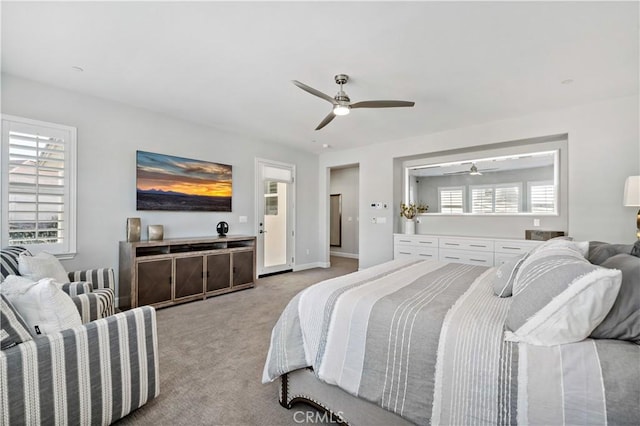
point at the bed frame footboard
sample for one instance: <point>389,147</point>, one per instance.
<point>343,408</point>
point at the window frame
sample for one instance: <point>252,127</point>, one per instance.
<point>494,187</point>
<point>550,183</point>
<point>462,188</point>
<point>66,249</point>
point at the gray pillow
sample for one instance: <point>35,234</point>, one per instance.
<point>623,320</point>
<point>559,297</point>
<point>506,275</point>
<point>599,252</point>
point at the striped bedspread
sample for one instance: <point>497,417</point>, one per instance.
<point>424,339</point>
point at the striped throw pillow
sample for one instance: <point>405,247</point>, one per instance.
<point>13,329</point>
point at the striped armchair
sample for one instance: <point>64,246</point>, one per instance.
<point>92,374</point>
<point>92,291</point>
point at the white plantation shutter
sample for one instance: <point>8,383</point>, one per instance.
<point>481,199</point>
<point>541,197</point>
<point>503,198</point>
<point>38,185</point>
<point>451,199</point>
<point>507,198</point>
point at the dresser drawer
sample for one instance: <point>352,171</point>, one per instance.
<point>466,244</point>
<point>416,240</point>
<point>515,247</point>
<point>466,256</point>
<point>422,252</point>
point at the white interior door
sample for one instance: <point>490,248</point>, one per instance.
<point>275,216</point>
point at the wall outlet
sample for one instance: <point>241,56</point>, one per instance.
<point>382,220</point>
<point>374,220</point>
<point>242,219</point>
<point>536,222</point>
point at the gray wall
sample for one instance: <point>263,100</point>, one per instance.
<point>109,133</point>
<point>345,181</point>
<point>603,149</point>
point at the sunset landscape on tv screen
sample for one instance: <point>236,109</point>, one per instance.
<point>165,182</point>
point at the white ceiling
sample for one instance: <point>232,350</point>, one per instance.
<point>230,65</point>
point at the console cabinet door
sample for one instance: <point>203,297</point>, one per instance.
<point>154,281</point>
<point>218,271</point>
<point>189,276</point>
<point>242,267</point>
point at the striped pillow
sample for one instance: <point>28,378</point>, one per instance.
<point>559,297</point>
<point>13,329</point>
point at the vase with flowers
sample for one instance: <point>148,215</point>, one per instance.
<point>408,212</point>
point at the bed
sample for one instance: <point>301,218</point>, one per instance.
<point>420,341</point>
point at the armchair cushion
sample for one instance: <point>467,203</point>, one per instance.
<point>13,328</point>
<point>80,287</point>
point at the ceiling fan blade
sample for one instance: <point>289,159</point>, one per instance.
<point>382,104</point>
<point>326,120</point>
<point>314,92</point>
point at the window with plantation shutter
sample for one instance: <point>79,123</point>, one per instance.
<point>38,185</point>
<point>542,197</point>
<point>451,199</point>
<point>502,198</point>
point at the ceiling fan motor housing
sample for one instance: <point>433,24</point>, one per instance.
<point>341,78</point>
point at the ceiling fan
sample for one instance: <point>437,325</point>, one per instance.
<point>342,103</point>
<point>473,171</point>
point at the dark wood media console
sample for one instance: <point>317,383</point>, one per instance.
<point>168,272</point>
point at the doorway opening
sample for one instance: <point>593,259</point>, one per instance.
<point>275,204</point>
<point>344,220</point>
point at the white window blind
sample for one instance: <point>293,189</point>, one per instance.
<point>451,199</point>
<point>503,198</point>
<point>481,200</point>
<point>507,199</point>
<point>542,197</point>
<point>38,185</point>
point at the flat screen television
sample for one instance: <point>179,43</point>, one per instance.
<point>165,182</point>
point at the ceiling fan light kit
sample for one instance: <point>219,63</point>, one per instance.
<point>342,103</point>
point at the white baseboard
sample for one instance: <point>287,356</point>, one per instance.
<point>311,265</point>
<point>343,254</point>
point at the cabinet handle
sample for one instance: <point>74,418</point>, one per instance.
<point>451,244</point>
<point>426,255</point>
<point>478,260</point>
<point>403,252</point>
<point>404,241</point>
<point>425,242</point>
<point>477,245</point>
<point>451,257</point>
<point>511,248</point>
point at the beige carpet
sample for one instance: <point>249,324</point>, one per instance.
<point>212,353</point>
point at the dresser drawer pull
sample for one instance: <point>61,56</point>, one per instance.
<point>511,248</point>
<point>451,257</point>
<point>426,255</point>
<point>477,245</point>
<point>404,241</point>
<point>478,260</point>
<point>451,244</point>
<point>425,242</point>
<point>403,252</point>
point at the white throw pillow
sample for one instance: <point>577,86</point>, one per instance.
<point>42,265</point>
<point>43,305</point>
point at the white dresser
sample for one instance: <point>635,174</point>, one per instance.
<point>472,250</point>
